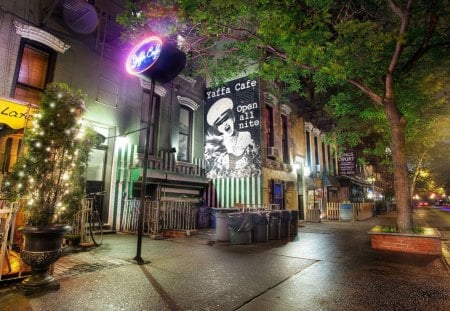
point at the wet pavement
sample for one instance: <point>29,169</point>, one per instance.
<point>326,266</point>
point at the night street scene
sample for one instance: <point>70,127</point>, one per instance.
<point>213,155</point>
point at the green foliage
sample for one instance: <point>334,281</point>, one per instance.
<point>393,229</point>
<point>337,52</point>
<point>50,175</point>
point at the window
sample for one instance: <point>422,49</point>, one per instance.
<point>308,149</point>
<point>284,138</point>
<point>34,70</point>
<point>184,134</point>
<point>268,115</point>
<point>330,160</point>
<point>316,151</point>
<point>324,159</point>
<point>153,122</point>
<point>278,194</point>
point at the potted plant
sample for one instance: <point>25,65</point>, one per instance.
<point>50,176</point>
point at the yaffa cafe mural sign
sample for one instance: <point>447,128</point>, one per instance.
<point>232,130</point>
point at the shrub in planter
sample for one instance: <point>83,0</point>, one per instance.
<point>50,175</point>
<point>423,240</point>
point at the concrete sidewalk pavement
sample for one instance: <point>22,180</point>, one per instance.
<point>327,266</point>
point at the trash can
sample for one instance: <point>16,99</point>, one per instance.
<point>221,222</point>
<point>285,223</point>
<point>274,225</point>
<point>213,217</point>
<point>260,224</point>
<point>240,228</point>
<point>293,230</point>
<point>204,217</point>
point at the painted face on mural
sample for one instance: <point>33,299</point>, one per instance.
<point>225,125</point>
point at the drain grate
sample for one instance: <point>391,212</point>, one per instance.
<point>83,268</point>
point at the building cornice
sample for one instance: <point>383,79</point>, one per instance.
<point>160,90</point>
<point>188,103</point>
<point>39,35</point>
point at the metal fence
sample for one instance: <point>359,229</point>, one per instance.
<point>360,211</point>
<point>158,216</point>
<point>256,207</point>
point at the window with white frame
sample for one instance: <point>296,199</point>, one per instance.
<point>184,134</point>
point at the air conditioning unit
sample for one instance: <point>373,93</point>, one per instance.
<point>272,152</point>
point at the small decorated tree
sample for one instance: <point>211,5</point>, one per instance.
<point>51,173</point>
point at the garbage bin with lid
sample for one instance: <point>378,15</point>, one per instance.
<point>213,218</point>
<point>260,230</point>
<point>204,217</point>
<point>294,223</point>
<point>221,222</point>
<point>274,224</point>
<point>285,223</point>
<point>240,228</point>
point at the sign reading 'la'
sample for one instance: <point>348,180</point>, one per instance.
<point>144,55</point>
<point>16,114</point>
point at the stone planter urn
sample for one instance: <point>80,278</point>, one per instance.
<point>42,247</point>
<point>427,242</point>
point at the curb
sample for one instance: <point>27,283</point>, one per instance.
<point>446,255</point>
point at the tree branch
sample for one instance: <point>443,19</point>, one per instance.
<point>405,16</point>
<point>424,47</point>
<point>368,91</point>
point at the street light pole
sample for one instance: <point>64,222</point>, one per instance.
<point>138,257</point>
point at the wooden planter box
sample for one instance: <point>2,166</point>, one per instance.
<point>428,243</point>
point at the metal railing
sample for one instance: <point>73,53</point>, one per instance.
<point>256,207</point>
<point>166,162</point>
<point>360,211</point>
<point>158,216</point>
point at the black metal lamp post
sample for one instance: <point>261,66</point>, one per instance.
<point>153,60</point>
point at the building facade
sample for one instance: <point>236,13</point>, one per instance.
<point>42,42</point>
<point>239,144</point>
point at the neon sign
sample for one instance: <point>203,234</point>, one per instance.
<point>144,55</point>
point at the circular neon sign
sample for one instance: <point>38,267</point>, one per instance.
<point>144,55</point>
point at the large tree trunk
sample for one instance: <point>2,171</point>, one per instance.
<point>398,147</point>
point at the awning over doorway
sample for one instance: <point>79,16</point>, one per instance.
<point>16,114</point>
<point>345,178</point>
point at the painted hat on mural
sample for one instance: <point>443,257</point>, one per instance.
<point>219,110</point>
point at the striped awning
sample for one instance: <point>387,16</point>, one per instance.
<point>16,114</point>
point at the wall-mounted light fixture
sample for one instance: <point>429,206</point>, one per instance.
<point>298,162</point>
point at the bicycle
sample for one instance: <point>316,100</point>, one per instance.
<point>92,216</point>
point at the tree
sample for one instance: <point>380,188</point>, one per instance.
<point>51,172</point>
<point>379,49</point>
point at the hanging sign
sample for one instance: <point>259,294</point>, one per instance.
<point>347,164</point>
<point>144,55</point>
<point>153,59</point>
<point>16,114</point>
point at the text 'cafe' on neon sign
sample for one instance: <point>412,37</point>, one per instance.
<point>144,55</point>
<point>156,59</point>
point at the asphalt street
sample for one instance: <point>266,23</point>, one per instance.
<point>326,266</point>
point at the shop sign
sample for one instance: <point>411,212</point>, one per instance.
<point>16,114</point>
<point>347,164</point>
<point>144,55</point>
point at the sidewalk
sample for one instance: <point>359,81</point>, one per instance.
<point>327,266</point>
